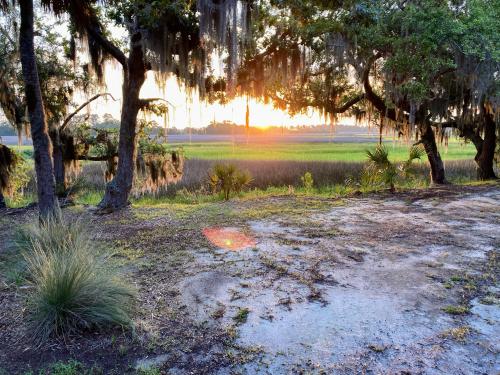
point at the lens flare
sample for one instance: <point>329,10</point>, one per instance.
<point>228,238</point>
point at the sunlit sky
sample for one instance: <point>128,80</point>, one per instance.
<point>186,112</point>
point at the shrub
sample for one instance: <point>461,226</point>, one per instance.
<point>307,181</point>
<point>380,170</point>
<point>71,367</point>
<point>228,178</point>
<point>14,174</point>
<point>72,288</point>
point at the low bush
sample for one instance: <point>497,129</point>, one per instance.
<point>72,288</point>
<point>14,175</point>
<point>379,170</point>
<point>227,179</point>
<point>307,181</point>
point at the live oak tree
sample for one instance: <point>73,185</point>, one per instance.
<point>408,64</point>
<point>59,80</point>
<point>438,62</point>
<point>168,37</point>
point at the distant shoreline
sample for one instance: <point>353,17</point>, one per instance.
<point>338,137</point>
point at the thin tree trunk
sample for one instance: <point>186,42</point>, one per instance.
<point>381,128</point>
<point>486,154</point>
<point>2,201</point>
<point>58,160</point>
<point>134,75</point>
<point>428,139</point>
<point>47,201</point>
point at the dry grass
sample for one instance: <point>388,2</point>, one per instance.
<point>270,173</point>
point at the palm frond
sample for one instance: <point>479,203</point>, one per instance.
<point>407,167</point>
<point>379,157</point>
<point>416,152</point>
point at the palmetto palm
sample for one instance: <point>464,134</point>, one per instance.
<point>380,169</point>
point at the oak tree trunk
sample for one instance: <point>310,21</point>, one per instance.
<point>134,75</point>
<point>58,160</point>
<point>47,201</point>
<point>486,154</point>
<point>59,169</point>
<point>380,130</point>
<point>428,139</point>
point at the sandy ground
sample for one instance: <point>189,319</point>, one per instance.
<point>405,284</point>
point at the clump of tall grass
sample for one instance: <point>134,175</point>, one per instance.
<point>72,288</point>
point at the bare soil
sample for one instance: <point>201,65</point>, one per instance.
<point>404,283</point>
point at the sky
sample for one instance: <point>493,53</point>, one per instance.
<point>184,112</point>
<point>193,113</point>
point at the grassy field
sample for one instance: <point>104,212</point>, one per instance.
<point>353,152</point>
<point>319,151</point>
<point>273,166</point>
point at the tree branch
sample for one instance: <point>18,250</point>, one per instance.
<point>96,158</point>
<point>108,46</point>
<point>146,102</point>
<point>7,35</point>
<point>84,16</point>
<point>348,104</point>
<point>73,114</point>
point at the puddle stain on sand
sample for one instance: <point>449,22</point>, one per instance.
<point>228,238</point>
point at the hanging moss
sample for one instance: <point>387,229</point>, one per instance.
<point>70,157</point>
<point>111,165</point>
<point>8,161</point>
<point>156,171</point>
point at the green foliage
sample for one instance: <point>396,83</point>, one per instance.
<point>380,170</point>
<point>456,310</point>
<point>72,288</point>
<point>8,161</point>
<point>227,179</point>
<point>307,181</point>
<point>408,166</point>
<point>70,367</point>
<point>15,174</point>
<point>19,179</point>
<point>153,144</point>
<point>241,316</point>
<point>93,141</point>
<point>149,371</point>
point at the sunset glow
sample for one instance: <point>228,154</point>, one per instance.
<point>190,112</point>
